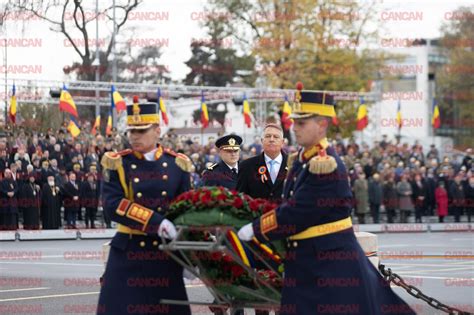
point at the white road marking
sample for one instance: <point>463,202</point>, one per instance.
<point>438,270</point>
<point>70,294</point>
<point>433,277</point>
<point>431,265</point>
<point>47,296</point>
<point>45,263</point>
<point>25,289</point>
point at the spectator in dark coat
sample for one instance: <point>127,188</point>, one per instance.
<point>8,202</point>
<point>430,192</point>
<point>90,199</point>
<point>50,205</point>
<point>29,201</point>
<point>390,198</point>
<point>419,195</point>
<point>457,196</point>
<point>375,196</point>
<point>72,204</point>
<point>4,163</point>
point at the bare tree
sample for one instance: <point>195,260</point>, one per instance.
<point>50,10</point>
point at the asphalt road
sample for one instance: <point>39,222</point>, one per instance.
<point>61,277</point>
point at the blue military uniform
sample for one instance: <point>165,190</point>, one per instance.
<point>136,193</point>
<point>220,174</point>
<point>326,270</point>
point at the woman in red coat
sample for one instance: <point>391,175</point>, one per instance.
<point>441,196</point>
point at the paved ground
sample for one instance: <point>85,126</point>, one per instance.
<point>60,277</point>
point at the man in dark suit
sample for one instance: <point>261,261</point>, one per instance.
<point>225,172</point>
<point>72,204</point>
<point>262,176</point>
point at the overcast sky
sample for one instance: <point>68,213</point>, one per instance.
<point>179,28</point>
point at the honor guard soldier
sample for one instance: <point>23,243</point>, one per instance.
<point>225,172</point>
<point>315,219</point>
<point>138,184</point>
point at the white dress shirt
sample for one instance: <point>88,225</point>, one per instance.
<point>276,166</point>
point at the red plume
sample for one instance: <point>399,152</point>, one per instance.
<point>299,86</point>
<point>135,99</point>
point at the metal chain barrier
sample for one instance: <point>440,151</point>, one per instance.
<point>413,291</point>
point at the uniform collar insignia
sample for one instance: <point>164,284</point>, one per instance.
<point>138,155</point>
<point>322,145</point>
<point>159,152</point>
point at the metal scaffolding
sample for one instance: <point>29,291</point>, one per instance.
<point>179,95</point>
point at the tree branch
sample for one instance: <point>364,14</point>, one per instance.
<point>127,8</point>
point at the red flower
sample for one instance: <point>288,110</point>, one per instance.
<point>254,205</point>
<point>195,197</point>
<point>238,202</point>
<point>227,258</point>
<point>268,207</point>
<point>206,197</point>
<point>221,197</point>
<point>237,271</point>
<point>216,256</point>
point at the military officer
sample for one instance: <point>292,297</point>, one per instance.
<point>225,172</point>
<point>138,184</point>
<point>326,270</point>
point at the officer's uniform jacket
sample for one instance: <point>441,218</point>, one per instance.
<point>219,174</point>
<point>326,270</point>
<point>136,194</point>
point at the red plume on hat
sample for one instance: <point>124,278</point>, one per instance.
<point>299,85</point>
<point>299,88</point>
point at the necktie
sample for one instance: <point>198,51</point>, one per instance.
<point>273,175</point>
<point>234,171</point>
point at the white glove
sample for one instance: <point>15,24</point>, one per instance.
<point>246,232</point>
<point>167,230</point>
<point>188,274</point>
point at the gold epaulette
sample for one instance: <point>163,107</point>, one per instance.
<point>113,160</point>
<point>322,163</point>
<point>181,160</point>
<point>291,159</point>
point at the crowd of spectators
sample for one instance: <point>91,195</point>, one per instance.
<point>52,180</point>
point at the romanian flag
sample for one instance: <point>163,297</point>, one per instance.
<point>362,119</point>
<point>247,118</point>
<point>436,120</point>
<point>73,127</point>
<point>108,129</point>
<point>96,126</point>
<point>164,115</point>
<point>12,112</point>
<point>117,100</point>
<point>204,113</point>
<point>399,115</point>
<point>66,103</point>
<point>286,121</point>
